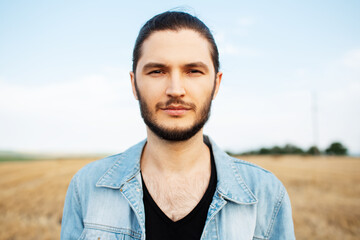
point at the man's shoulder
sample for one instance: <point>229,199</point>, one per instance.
<point>114,166</point>
<point>246,174</point>
<point>256,177</point>
<point>94,170</point>
<point>273,202</point>
<point>249,169</point>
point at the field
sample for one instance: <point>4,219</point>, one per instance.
<point>325,195</point>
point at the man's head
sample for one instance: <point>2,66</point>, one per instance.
<point>175,21</point>
<point>175,75</point>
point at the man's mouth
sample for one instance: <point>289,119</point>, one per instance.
<point>176,107</point>
<point>175,110</point>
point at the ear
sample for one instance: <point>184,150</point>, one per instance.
<point>132,77</point>
<point>217,83</point>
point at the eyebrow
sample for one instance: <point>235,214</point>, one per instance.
<point>197,65</point>
<point>151,65</point>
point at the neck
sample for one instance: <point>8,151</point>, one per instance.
<point>182,157</point>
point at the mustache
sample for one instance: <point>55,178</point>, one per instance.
<point>175,101</point>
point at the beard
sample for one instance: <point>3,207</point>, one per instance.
<point>175,134</point>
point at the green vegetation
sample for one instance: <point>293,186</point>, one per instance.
<point>12,156</point>
<point>6,156</point>
<point>335,148</point>
<point>313,150</point>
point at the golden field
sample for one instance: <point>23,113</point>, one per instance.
<point>325,195</point>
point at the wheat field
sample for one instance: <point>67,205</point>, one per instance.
<point>324,191</point>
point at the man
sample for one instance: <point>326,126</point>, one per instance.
<point>176,184</point>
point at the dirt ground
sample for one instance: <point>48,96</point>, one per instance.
<point>324,192</point>
<point>325,195</point>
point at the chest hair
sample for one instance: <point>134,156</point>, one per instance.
<point>177,196</point>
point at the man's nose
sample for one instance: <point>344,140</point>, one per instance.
<point>175,86</point>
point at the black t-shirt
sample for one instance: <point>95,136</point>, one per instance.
<point>158,226</point>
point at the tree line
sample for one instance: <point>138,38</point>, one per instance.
<point>335,148</point>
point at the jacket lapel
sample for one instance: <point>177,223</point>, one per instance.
<point>125,176</point>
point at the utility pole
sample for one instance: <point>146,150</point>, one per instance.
<point>314,116</point>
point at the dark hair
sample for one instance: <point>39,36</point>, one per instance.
<point>173,20</point>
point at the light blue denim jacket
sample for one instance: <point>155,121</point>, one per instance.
<point>105,201</point>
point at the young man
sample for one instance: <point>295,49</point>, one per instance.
<point>176,184</point>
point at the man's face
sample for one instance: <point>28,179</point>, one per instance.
<point>175,83</point>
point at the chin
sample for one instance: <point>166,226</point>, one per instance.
<point>175,134</point>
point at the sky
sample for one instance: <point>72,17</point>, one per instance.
<point>291,73</point>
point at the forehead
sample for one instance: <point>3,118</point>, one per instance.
<point>175,47</point>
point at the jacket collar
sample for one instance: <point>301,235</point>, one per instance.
<point>126,167</point>
<point>230,184</point>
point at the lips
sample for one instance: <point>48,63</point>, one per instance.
<point>176,107</point>
<point>175,110</point>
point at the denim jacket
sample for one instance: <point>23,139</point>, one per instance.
<point>104,201</point>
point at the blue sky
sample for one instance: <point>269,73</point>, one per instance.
<point>64,83</point>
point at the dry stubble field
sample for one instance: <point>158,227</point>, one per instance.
<point>325,195</point>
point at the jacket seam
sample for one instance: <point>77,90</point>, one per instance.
<point>110,169</point>
<point>242,183</point>
<point>275,213</point>
<point>76,188</point>
<point>260,238</point>
<point>77,195</point>
<point>240,161</point>
<point>126,231</point>
<point>82,236</point>
<point>216,228</point>
<point>142,223</point>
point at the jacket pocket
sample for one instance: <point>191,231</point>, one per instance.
<point>100,234</point>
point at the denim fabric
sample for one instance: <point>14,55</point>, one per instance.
<point>104,201</point>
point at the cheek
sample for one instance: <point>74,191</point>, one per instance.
<point>150,98</point>
<point>200,91</point>
<point>151,88</point>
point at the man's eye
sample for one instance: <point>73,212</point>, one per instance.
<point>155,72</point>
<point>195,71</point>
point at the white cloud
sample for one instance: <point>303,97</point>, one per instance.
<point>250,118</point>
<point>84,94</point>
<point>234,50</point>
<point>92,114</point>
<point>98,113</point>
<point>227,47</point>
<point>246,21</point>
<point>339,115</point>
<point>301,72</point>
<point>352,59</point>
